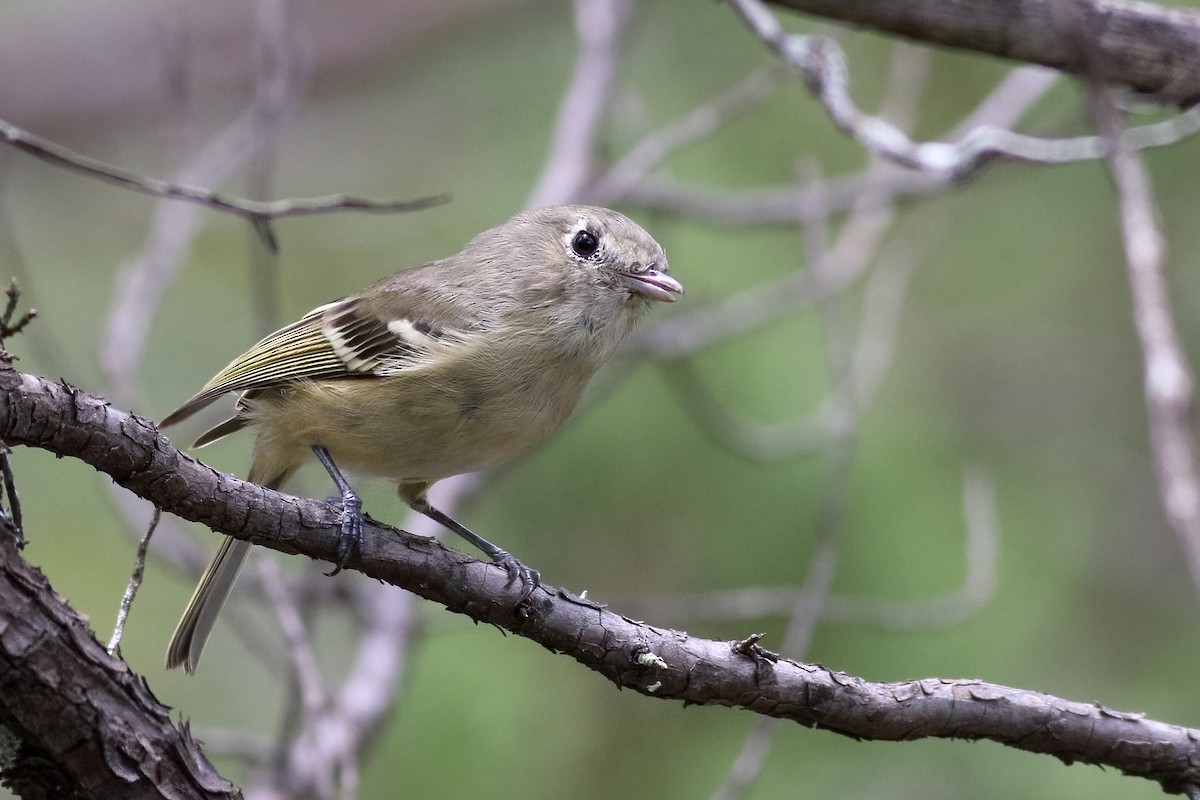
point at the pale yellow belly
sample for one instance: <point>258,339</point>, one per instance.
<point>413,430</point>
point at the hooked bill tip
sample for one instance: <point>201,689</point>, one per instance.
<point>655,285</point>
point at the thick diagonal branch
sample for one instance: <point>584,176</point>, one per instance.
<point>652,661</point>
<point>1147,47</point>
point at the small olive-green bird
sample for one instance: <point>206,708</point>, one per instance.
<point>446,368</point>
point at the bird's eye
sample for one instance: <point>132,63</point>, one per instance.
<point>585,244</point>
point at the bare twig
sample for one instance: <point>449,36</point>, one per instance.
<point>1003,107</point>
<point>13,512</point>
<point>176,547</point>
<point>8,326</point>
<point>60,156</point>
<point>822,63</point>
<point>135,583</point>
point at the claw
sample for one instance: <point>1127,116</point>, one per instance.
<point>530,579</point>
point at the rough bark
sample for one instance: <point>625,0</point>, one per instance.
<point>88,726</point>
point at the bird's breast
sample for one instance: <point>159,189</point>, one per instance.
<point>426,425</point>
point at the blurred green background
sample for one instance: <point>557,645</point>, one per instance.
<point>1015,355</point>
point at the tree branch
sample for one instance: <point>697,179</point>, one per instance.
<point>1147,47</point>
<point>824,66</point>
<point>258,212</point>
<point>75,707</point>
<point>653,661</point>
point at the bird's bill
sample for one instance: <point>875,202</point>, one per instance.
<point>654,285</point>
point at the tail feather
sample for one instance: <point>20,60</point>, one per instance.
<point>187,643</point>
<point>231,425</point>
<point>187,409</point>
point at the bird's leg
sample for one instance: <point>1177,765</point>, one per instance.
<point>350,538</point>
<point>529,578</point>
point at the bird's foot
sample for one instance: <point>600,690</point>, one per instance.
<point>350,538</point>
<point>529,578</point>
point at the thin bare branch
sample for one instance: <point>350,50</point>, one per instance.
<point>1003,107</point>
<point>10,327</point>
<point>12,515</point>
<point>135,582</point>
<point>822,63</point>
<point>60,156</point>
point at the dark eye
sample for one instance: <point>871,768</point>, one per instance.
<point>585,244</point>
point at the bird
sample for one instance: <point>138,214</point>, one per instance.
<point>446,368</point>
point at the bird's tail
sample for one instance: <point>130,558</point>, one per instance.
<point>191,634</point>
